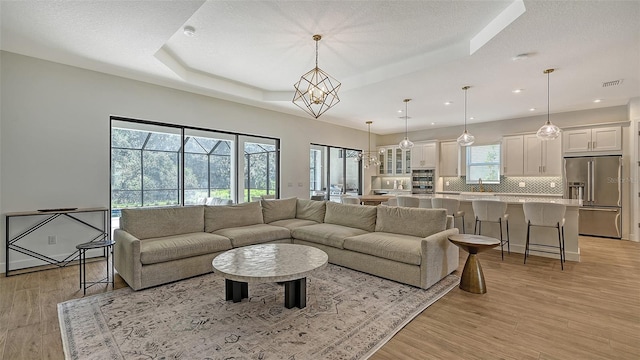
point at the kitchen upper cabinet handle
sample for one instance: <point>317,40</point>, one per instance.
<point>505,170</point>
<point>595,144</point>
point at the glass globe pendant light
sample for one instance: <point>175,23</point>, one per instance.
<point>369,158</point>
<point>465,139</point>
<point>406,144</point>
<point>548,131</point>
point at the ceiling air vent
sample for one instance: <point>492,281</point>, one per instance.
<point>612,83</point>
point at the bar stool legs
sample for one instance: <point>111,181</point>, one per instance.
<point>560,243</point>
<point>477,230</point>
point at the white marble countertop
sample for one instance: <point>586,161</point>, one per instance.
<point>269,262</point>
<point>509,199</point>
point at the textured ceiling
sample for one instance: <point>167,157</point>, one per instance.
<point>382,52</point>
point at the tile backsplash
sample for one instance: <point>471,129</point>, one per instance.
<point>532,185</point>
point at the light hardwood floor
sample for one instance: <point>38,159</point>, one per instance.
<point>591,310</point>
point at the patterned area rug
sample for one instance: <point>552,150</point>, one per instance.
<point>349,315</point>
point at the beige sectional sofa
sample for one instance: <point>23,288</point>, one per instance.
<point>409,245</point>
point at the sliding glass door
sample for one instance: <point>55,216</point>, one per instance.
<point>260,169</point>
<point>208,165</point>
<point>156,164</point>
<point>334,172</point>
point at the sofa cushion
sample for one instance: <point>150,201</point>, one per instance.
<point>148,223</point>
<point>293,223</point>
<point>396,247</point>
<point>326,234</point>
<point>279,209</point>
<point>310,210</point>
<point>355,216</point>
<point>254,234</point>
<point>162,249</point>
<point>411,221</point>
<point>220,217</point>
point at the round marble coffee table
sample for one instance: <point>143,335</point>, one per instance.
<point>472,278</point>
<point>286,263</point>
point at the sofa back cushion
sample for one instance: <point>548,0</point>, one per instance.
<point>280,209</point>
<point>310,210</point>
<point>411,221</point>
<point>222,217</point>
<point>355,216</point>
<point>148,223</point>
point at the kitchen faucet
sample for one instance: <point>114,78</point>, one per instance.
<point>480,187</point>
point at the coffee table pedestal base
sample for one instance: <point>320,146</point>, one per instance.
<point>295,292</point>
<point>235,290</point>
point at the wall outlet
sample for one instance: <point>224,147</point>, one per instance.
<point>552,184</point>
<point>522,184</point>
<point>52,240</point>
<point>387,182</point>
<point>446,183</point>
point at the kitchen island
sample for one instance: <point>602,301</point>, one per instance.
<point>517,225</point>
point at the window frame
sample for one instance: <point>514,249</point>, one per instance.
<point>469,164</point>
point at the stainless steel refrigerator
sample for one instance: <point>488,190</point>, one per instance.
<point>597,181</point>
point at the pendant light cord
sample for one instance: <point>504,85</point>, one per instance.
<point>548,97</point>
<point>406,119</point>
<point>317,54</point>
<point>465,110</point>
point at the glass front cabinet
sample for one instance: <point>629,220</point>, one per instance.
<point>394,161</point>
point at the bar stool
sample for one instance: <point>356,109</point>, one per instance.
<point>408,201</point>
<point>452,206</point>
<point>351,200</point>
<point>425,203</point>
<point>494,212</point>
<point>545,215</point>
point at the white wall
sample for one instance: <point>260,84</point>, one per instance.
<point>54,147</point>
<point>634,135</point>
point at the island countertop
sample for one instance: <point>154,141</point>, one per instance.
<point>509,199</point>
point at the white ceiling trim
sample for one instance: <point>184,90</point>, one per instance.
<point>504,19</point>
<point>386,72</point>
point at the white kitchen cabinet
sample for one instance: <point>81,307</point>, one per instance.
<point>542,157</point>
<point>424,156</point>
<point>513,155</point>
<point>394,161</point>
<point>449,159</point>
<point>594,139</point>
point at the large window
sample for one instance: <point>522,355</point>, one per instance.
<point>260,170</point>
<point>151,167</point>
<point>145,165</point>
<point>483,164</point>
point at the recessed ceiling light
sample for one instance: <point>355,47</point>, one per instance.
<point>472,118</point>
<point>448,102</point>
<point>399,111</point>
<point>597,100</point>
<point>532,109</point>
<point>517,91</point>
<point>189,31</point>
<point>433,123</point>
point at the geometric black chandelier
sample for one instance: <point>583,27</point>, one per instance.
<point>317,91</point>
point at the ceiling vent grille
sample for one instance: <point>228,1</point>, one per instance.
<point>612,83</point>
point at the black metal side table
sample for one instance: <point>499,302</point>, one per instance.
<point>107,246</point>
